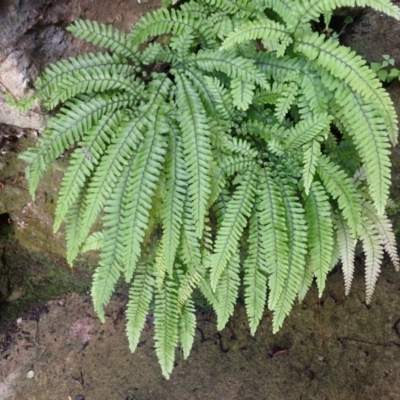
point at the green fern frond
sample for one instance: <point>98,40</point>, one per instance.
<point>166,325</point>
<point>285,100</point>
<point>347,245</point>
<point>104,36</point>
<point>231,65</point>
<point>370,137</point>
<point>310,162</point>
<point>306,131</point>
<point>190,246</point>
<point>227,290</point>
<point>196,147</point>
<point>292,273</point>
<point>81,167</point>
<point>140,296</point>
<point>235,219</point>
<point>163,21</point>
<point>275,234</point>
<point>242,93</point>
<point>147,166</point>
<point>187,327</point>
<point>241,8</point>
<point>255,273</point>
<point>52,76</point>
<point>222,99</point>
<point>91,80</point>
<point>172,208</point>
<point>228,167</point>
<point>93,242</point>
<point>320,233</point>
<point>373,249</point>
<point>189,282</point>
<point>340,187</point>
<point>385,230</point>
<point>264,29</point>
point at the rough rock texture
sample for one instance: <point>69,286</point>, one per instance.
<point>32,34</point>
<point>374,34</point>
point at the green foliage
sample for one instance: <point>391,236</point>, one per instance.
<point>251,147</point>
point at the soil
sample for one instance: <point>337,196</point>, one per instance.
<point>329,348</point>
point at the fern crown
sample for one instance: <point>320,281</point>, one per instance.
<point>245,144</point>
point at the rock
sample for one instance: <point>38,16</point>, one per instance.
<point>374,34</point>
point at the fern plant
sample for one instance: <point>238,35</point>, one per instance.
<point>245,143</point>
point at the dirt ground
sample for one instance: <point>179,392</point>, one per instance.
<point>334,348</point>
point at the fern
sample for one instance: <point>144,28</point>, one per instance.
<point>211,129</point>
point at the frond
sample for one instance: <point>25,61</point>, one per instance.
<point>341,188</point>
<point>385,231</point>
<point>347,245</point>
<point>104,36</point>
<point>189,282</point>
<point>231,65</point>
<point>314,92</point>
<point>196,147</point>
<point>172,207</point>
<point>222,99</point>
<point>206,96</point>
<point>255,273</point>
<point>307,130</point>
<point>53,75</point>
<point>282,7</point>
<point>305,281</point>
<point>147,166</point>
<point>373,249</point>
<point>92,80</point>
<point>73,226</point>
<point>163,21</point>
<point>320,233</point>
<point>80,168</point>
<point>234,221</point>
<point>275,237</point>
<point>226,291</point>
<point>166,325</point>
<point>140,296</point>
<point>285,100</point>
<point>71,123</point>
<point>93,242</point>
<point>122,147</point>
<point>367,129</point>
<point>310,162</point>
<point>190,245</point>
<point>242,93</point>
<point>343,63</point>
<point>228,167</point>
<point>187,327</point>
<point>292,273</point>
<point>112,252</point>
<point>241,8</point>
<point>264,29</point>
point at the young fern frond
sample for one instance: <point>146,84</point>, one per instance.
<point>228,131</point>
